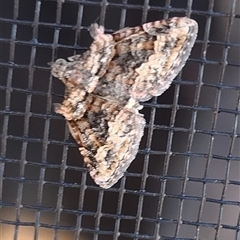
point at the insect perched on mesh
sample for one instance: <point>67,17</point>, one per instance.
<point>105,85</point>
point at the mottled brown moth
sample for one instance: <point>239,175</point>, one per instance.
<point>105,85</point>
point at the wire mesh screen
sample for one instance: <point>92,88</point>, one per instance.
<point>184,182</point>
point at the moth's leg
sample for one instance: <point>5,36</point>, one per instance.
<point>174,40</point>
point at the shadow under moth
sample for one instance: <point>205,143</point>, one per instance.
<point>103,88</point>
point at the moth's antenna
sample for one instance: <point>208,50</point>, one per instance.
<point>96,19</point>
<point>94,23</point>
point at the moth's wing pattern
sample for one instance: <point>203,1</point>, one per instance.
<point>147,58</point>
<point>174,40</point>
<point>133,47</point>
<point>108,134</point>
<point>112,158</point>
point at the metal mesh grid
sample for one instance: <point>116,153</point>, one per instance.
<point>184,183</point>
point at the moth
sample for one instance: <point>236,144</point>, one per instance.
<point>104,86</point>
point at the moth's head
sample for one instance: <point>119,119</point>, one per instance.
<point>66,72</point>
<point>58,68</point>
